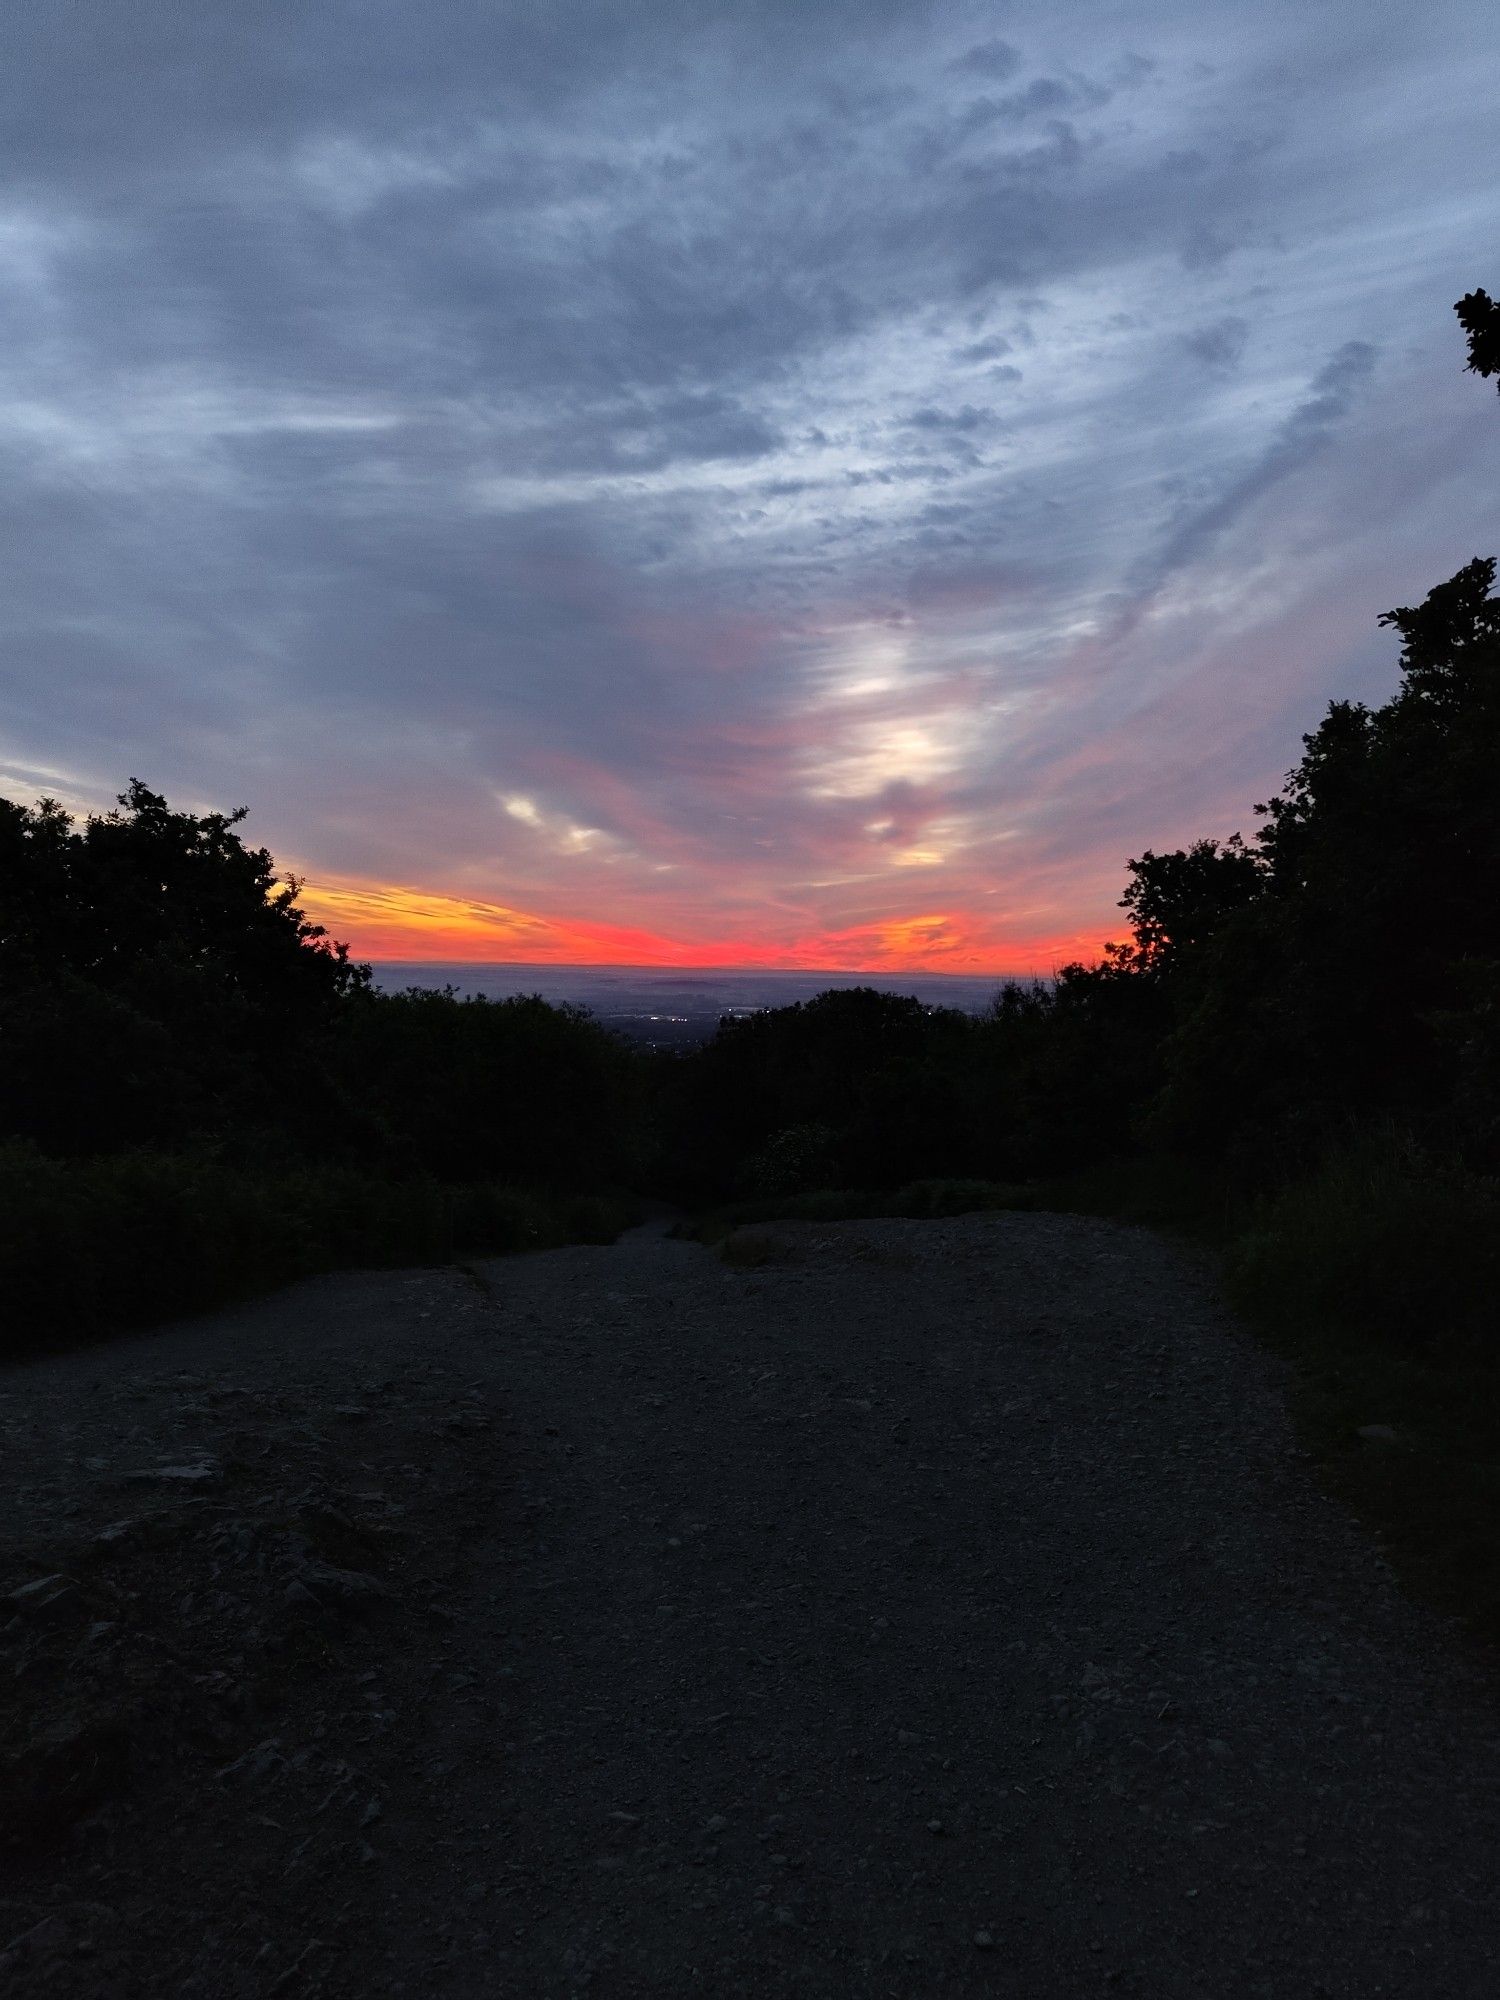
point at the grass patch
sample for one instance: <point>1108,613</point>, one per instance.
<point>1431,1496</point>
<point>92,1247</point>
<point>918,1200</point>
<point>1376,1277</point>
<point>1155,1191</point>
<point>748,1250</point>
<point>1381,1242</point>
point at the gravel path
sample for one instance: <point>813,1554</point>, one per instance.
<point>931,1608</point>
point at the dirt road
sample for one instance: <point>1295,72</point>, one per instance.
<point>934,1608</point>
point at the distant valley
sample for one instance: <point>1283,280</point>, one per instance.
<point>667,1007</point>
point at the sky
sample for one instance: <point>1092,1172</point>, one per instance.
<point>799,482</point>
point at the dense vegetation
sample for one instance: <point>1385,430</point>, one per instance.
<point>1303,1028</point>
<point>1276,995</point>
<point>199,1091</point>
<point>1297,1045</point>
<point>1294,1015</point>
<point>199,1094</point>
<point>1298,1042</point>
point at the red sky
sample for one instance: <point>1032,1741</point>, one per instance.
<point>390,922</point>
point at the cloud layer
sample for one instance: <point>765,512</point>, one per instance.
<point>807,483</point>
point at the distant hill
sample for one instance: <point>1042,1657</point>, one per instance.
<point>668,1006</point>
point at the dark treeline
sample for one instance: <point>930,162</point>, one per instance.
<point>1298,1044</point>
<point>199,1092</point>
<point>1302,1027</point>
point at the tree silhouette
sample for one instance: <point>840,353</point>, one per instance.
<point>1178,901</point>
<point>1479,316</point>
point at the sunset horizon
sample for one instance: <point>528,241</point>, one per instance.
<point>404,926</point>
<point>676,486</point>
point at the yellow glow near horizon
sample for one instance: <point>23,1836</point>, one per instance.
<point>398,922</point>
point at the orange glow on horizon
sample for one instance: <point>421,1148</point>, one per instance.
<point>388,921</point>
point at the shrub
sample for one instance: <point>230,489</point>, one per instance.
<point>792,1162</point>
<point>1383,1244</point>
<point>88,1247</point>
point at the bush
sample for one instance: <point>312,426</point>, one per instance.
<point>853,1087</point>
<point>494,1089</point>
<point>919,1200</point>
<point>1376,1276</point>
<point>88,1247</point>
<point>792,1162</point>
<point>1382,1244</point>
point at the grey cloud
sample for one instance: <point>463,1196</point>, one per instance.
<point>989,349</point>
<point>529,393</point>
<point>677,430</point>
<point>1308,430</point>
<point>967,418</point>
<point>1220,344</point>
<point>1206,247</point>
<point>995,60</point>
<point>1049,94</point>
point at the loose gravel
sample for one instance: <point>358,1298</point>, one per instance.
<point>902,1609</point>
